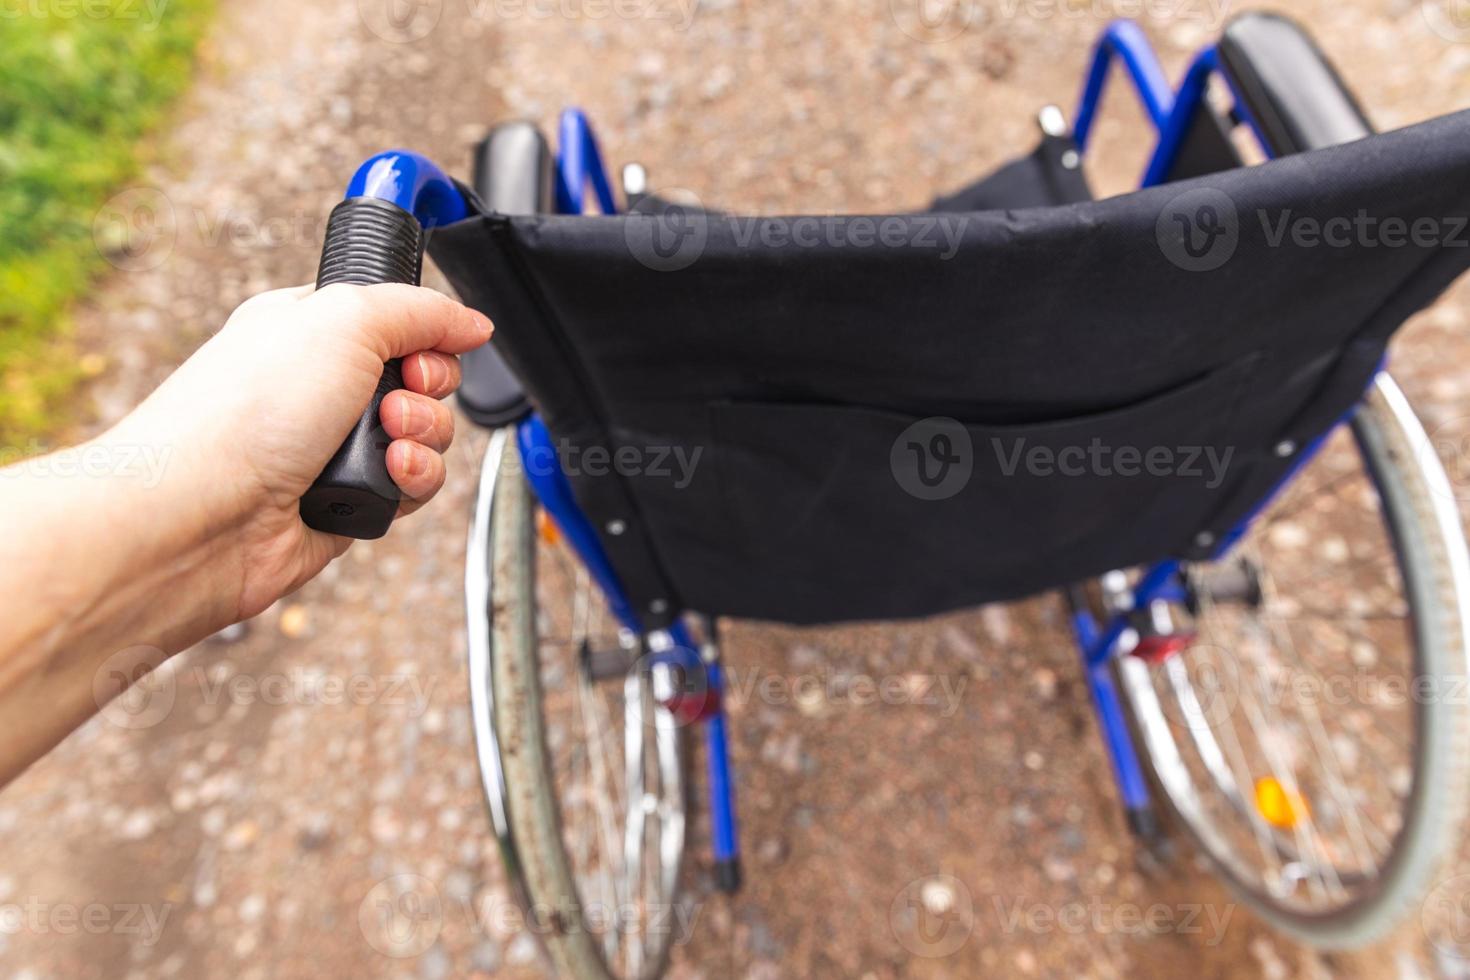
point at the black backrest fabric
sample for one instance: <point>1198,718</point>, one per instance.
<point>821,375</point>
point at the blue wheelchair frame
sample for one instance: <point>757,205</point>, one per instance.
<point>417,185</point>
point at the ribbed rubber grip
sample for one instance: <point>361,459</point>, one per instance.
<point>368,241</point>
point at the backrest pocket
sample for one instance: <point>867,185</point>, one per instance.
<point>905,516</point>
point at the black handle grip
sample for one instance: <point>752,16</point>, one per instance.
<point>368,241</point>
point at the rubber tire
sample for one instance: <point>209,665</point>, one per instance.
<point>1432,558</point>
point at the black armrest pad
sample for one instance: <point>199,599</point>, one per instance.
<point>1295,96</point>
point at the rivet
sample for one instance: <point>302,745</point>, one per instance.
<point>1285,448</point>
<point>616,527</point>
<point>658,606</point>
<point>1204,539</point>
<point>1070,159</point>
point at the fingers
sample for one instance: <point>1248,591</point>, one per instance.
<point>397,320</point>
<point>431,373</point>
<point>418,471</point>
<point>419,418</point>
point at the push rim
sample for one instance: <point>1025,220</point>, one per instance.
<point>1328,868</point>
<point>583,772</point>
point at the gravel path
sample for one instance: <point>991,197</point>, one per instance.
<point>242,818</point>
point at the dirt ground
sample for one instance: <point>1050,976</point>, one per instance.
<point>242,823</point>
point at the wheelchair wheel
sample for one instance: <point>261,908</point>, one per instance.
<point>1311,737</point>
<point>583,771</point>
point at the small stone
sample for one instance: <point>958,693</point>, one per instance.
<point>772,851</point>
<point>1288,534</point>
<point>241,835</point>
<point>1400,780</point>
<point>1272,967</point>
<point>139,824</point>
<point>385,826</point>
<point>1033,760</point>
<point>937,895</point>
<point>252,908</point>
<point>1057,870</point>
<point>294,621</point>
<point>1045,681</point>
<point>316,829</point>
<point>522,950</point>
<point>485,957</point>
<point>213,821</point>
<point>434,963</point>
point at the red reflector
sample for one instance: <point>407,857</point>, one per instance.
<point>1157,649</point>
<point>690,706</point>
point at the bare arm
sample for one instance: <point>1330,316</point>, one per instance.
<point>183,518</point>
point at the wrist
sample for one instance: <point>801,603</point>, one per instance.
<point>158,546</point>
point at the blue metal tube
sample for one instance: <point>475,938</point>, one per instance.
<point>413,182</point>
<point>1154,581</point>
<point>549,484</point>
<point>1123,39</point>
<point>579,162</point>
<point>1171,134</point>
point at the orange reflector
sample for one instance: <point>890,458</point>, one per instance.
<point>1281,807</point>
<point>547,528</point>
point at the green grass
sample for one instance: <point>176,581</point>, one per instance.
<point>81,86</point>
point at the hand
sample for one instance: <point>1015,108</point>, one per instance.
<point>251,419</point>
<point>113,559</point>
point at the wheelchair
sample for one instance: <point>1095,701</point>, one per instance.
<point>887,433</point>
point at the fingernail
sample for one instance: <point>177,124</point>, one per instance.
<point>434,371</point>
<point>486,327</point>
<point>415,461</point>
<point>415,417</point>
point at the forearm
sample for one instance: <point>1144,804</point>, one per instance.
<point>186,516</point>
<point>94,568</point>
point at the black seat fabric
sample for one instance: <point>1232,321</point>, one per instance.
<point>883,417</point>
<point>1039,179</point>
